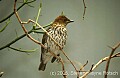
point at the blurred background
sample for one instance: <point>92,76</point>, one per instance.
<point>87,39</point>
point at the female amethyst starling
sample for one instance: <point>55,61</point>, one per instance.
<point>58,32</point>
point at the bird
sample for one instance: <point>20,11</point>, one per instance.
<point>58,32</point>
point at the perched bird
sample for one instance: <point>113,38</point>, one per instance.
<point>58,32</point>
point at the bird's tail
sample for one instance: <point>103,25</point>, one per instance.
<point>42,66</point>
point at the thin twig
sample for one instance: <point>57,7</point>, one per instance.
<point>5,26</point>
<point>91,68</point>
<point>84,65</point>
<point>62,63</point>
<point>84,9</point>
<point>39,10</point>
<point>98,63</point>
<point>71,63</point>
<point>32,30</point>
<point>20,37</point>
<point>20,50</point>
<point>22,25</point>
<point>17,10</point>
<point>108,62</point>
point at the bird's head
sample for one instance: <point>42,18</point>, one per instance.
<point>62,20</point>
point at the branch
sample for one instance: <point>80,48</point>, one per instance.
<point>62,63</point>
<point>108,62</point>
<point>25,51</point>
<point>71,63</point>
<point>17,10</point>
<point>83,65</point>
<point>5,26</point>
<point>32,30</point>
<point>38,32</point>
<point>24,29</point>
<point>20,37</point>
<point>84,9</point>
<point>98,63</point>
<point>39,10</point>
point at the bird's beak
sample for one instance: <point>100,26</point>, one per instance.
<point>71,21</point>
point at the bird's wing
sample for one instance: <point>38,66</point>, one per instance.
<point>44,42</point>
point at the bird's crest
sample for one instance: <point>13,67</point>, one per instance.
<point>62,13</point>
